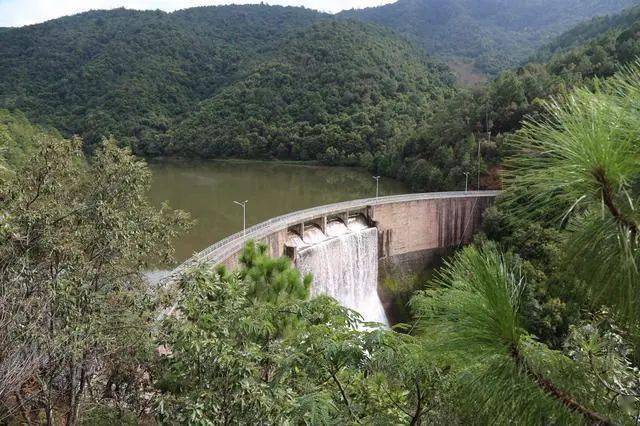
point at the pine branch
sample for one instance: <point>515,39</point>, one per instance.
<point>416,417</point>
<point>607,197</point>
<point>552,390</point>
<point>344,396</point>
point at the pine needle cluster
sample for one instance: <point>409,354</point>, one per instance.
<point>583,162</point>
<point>472,321</point>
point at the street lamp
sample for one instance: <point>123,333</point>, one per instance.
<point>243,204</point>
<point>466,181</point>
<point>377,178</point>
<point>488,127</point>
<point>479,156</point>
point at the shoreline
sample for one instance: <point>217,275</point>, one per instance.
<point>243,161</point>
<point>172,159</point>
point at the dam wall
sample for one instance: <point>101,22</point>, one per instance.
<point>412,233</point>
<point>411,229</point>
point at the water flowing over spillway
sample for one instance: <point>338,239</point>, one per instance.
<point>345,267</point>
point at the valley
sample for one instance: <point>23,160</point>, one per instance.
<point>473,251</point>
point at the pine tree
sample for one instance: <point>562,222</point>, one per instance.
<point>472,322</point>
<point>579,169</point>
<point>583,162</point>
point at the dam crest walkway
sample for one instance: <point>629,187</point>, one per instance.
<point>221,251</point>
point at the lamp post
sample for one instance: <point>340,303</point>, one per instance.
<point>478,187</point>
<point>488,127</point>
<point>377,178</point>
<point>466,181</point>
<point>243,204</point>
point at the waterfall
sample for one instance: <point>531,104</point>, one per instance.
<point>345,267</point>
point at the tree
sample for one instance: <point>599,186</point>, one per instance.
<point>75,309</point>
<point>473,321</point>
<point>583,163</point>
<point>578,170</point>
<point>249,347</point>
<point>234,355</point>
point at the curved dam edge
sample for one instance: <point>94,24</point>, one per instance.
<point>408,226</point>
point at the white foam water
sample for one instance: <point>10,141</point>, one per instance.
<point>345,267</point>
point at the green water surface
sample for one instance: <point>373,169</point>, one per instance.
<point>207,189</point>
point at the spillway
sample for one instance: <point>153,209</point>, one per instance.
<point>344,265</point>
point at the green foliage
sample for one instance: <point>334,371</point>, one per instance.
<point>133,73</point>
<point>601,55</point>
<point>291,83</point>
<point>238,355</point>
<point>438,154</point>
<point>552,300</point>
<point>597,29</point>
<point>333,92</point>
<point>440,151</point>
<point>243,81</point>
<point>75,239</point>
<point>473,322</point>
<point>271,280</point>
<point>18,138</point>
<point>233,348</point>
<point>218,355</point>
<point>583,162</point>
<point>494,34</point>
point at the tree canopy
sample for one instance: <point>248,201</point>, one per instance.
<point>335,92</point>
<point>493,34</point>
<point>75,239</point>
<point>256,81</point>
<point>440,151</point>
<point>250,347</point>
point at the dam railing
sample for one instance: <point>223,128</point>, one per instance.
<point>221,250</point>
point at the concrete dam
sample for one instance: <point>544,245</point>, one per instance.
<point>349,246</point>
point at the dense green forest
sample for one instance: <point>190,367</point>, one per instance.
<point>290,83</point>
<point>336,92</point>
<point>438,153</point>
<point>493,34</point>
<point>535,323</point>
<point>246,81</point>
<point>132,73</point>
<point>221,81</point>
<point>590,30</point>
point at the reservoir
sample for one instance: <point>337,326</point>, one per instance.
<point>208,189</point>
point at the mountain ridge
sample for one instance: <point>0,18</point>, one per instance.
<point>137,75</point>
<point>493,34</point>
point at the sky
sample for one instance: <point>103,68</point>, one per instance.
<point>15,13</point>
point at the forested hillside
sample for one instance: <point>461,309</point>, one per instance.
<point>338,92</point>
<point>290,83</point>
<point>600,42</point>
<point>437,155</point>
<point>250,74</point>
<point>494,34</point>
<point>133,73</point>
